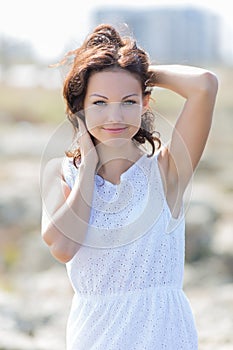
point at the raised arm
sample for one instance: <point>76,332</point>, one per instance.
<point>198,87</point>
<point>65,212</point>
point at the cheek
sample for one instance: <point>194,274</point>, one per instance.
<point>133,115</point>
<point>93,122</point>
<point>134,121</point>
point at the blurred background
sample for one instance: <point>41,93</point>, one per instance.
<point>35,294</point>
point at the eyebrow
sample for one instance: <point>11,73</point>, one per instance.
<point>97,95</point>
<point>106,98</point>
<point>131,95</point>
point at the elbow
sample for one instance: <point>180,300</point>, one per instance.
<point>209,84</point>
<point>60,253</point>
<point>61,248</point>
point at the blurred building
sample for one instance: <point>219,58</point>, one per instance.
<point>187,35</point>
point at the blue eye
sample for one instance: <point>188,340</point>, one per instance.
<point>99,103</point>
<point>129,102</point>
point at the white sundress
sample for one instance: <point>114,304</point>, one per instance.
<point>128,274</point>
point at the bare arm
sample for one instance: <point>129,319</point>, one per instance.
<point>66,212</point>
<point>199,89</point>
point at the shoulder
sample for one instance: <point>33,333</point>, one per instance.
<point>53,178</point>
<point>50,173</point>
<point>53,172</point>
<point>53,167</point>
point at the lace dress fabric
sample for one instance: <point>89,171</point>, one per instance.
<point>128,275</point>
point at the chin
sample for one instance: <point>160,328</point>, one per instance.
<point>114,142</point>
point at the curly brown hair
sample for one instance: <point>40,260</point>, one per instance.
<point>106,49</point>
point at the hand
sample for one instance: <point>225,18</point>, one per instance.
<point>88,151</point>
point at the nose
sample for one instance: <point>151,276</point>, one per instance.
<point>114,112</point>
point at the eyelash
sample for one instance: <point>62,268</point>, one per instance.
<point>130,102</point>
<point>100,102</point>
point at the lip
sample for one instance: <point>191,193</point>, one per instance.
<point>114,130</point>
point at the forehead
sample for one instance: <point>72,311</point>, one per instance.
<point>113,81</point>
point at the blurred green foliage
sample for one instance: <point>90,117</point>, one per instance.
<point>34,104</point>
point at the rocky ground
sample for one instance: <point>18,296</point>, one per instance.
<point>35,294</point>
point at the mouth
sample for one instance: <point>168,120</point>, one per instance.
<point>115,130</point>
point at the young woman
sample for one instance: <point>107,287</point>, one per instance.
<point>113,207</point>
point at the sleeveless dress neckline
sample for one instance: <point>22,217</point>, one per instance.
<point>123,175</point>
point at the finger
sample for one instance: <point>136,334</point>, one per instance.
<point>84,134</point>
<point>86,144</point>
<point>82,126</point>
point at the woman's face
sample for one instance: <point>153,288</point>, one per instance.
<point>113,105</point>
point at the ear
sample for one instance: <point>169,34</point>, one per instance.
<point>145,103</point>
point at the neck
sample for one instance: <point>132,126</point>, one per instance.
<point>113,161</point>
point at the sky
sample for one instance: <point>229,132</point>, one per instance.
<point>51,26</point>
